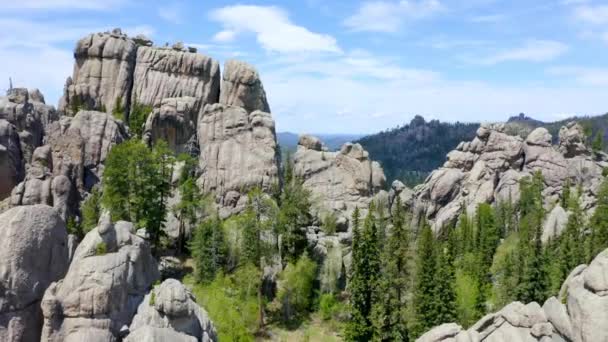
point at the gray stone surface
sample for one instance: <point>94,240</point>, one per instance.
<point>239,151</point>
<point>162,73</point>
<point>33,254</point>
<point>174,121</point>
<point>170,306</point>
<point>102,74</point>
<point>242,87</point>
<point>111,271</point>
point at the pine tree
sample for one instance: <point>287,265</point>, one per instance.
<point>363,282</point>
<point>424,285</point>
<point>209,249</point>
<point>390,313</point>
<point>445,295</point>
<point>191,204</point>
<point>599,223</point>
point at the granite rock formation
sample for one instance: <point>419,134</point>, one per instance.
<point>488,169</point>
<point>111,271</point>
<point>238,152</point>
<point>33,254</point>
<point>242,87</point>
<point>171,307</point>
<point>174,121</point>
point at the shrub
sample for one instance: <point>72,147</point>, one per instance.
<point>295,293</point>
<point>101,248</point>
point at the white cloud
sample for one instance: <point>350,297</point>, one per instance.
<point>62,4</point>
<point>172,14</point>
<point>595,15</point>
<point>389,16</point>
<point>490,18</point>
<point>531,51</point>
<point>273,29</point>
<point>583,75</point>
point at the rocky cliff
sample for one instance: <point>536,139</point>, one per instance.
<point>488,169</point>
<point>579,314</point>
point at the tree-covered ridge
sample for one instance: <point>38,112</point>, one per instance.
<point>411,151</point>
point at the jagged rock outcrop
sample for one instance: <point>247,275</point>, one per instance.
<point>33,254</point>
<point>172,308</point>
<point>242,87</point>
<point>581,319</point>
<point>103,73</point>
<point>162,73</point>
<point>29,114</point>
<point>339,181</point>
<point>488,169</point>
<point>11,160</point>
<point>111,271</point>
<point>239,151</point>
<point>71,163</point>
<point>174,121</point>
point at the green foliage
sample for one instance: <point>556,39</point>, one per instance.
<point>118,111</point>
<point>445,294</point>
<point>293,215</point>
<point>137,183</point>
<point>364,280</point>
<point>76,105</point>
<point>504,271</point>
<point>209,249</point>
<point>73,227</point>
<point>329,276</point>
<point>91,210</point>
<point>390,311</point>
<point>101,248</point>
<point>598,142</point>
<point>231,302</point>
<point>330,222</point>
<point>599,223</point>
<point>327,306</point>
<point>152,298</point>
<point>192,202</point>
<point>138,116</point>
<point>466,298</point>
<point>294,297</point>
<point>424,285</point>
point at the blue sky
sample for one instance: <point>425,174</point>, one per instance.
<point>350,66</point>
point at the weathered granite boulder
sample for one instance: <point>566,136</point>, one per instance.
<point>102,76</point>
<point>162,73</point>
<point>339,181</point>
<point>174,121</point>
<point>33,254</point>
<point>242,87</point>
<point>111,271</point>
<point>555,223</point>
<point>170,306</point>
<point>239,151</point>
<point>488,170</point>
<point>572,140</point>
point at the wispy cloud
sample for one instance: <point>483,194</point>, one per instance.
<point>390,16</point>
<point>593,77</point>
<point>489,18</point>
<point>57,5</point>
<point>532,51</point>
<point>273,29</point>
<point>172,14</point>
<point>595,15</point>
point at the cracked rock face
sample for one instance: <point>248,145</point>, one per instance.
<point>340,181</point>
<point>174,121</point>
<point>488,170</point>
<point>173,310</point>
<point>111,271</point>
<point>582,319</point>
<point>11,161</point>
<point>33,254</point>
<point>162,73</point>
<point>239,151</point>
<point>242,87</point>
<point>102,74</point>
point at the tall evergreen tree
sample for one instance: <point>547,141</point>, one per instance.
<point>424,286</point>
<point>390,313</point>
<point>209,249</point>
<point>445,294</point>
<point>363,282</point>
<point>599,223</point>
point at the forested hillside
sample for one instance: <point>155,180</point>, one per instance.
<point>411,151</point>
